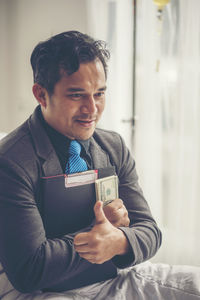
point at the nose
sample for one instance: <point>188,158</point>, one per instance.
<point>89,105</point>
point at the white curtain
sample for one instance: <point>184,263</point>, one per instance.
<point>167,134</point>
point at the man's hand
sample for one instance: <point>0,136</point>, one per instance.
<point>103,242</point>
<point>117,213</point>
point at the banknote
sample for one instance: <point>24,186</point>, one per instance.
<point>106,189</point>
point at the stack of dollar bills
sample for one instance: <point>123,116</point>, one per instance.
<point>107,189</point>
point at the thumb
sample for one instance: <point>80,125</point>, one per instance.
<point>99,213</point>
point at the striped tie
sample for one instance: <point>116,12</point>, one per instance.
<point>75,163</point>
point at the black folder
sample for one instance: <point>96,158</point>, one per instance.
<point>68,210</point>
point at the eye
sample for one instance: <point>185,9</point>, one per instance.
<point>75,96</point>
<point>100,94</point>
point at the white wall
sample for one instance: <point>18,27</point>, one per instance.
<point>23,23</point>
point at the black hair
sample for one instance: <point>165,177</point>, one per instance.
<point>65,51</point>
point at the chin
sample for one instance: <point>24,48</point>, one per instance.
<point>82,138</point>
<point>85,136</point>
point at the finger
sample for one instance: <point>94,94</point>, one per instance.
<point>99,213</point>
<point>126,217</point>
<point>115,204</point>
<point>81,238</point>
<point>119,202</point>
<point>82,249</point>
<point>114,213</point>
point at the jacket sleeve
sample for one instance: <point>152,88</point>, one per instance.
<point>143,233</point>
<point>30,260</point>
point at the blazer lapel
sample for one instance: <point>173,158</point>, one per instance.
<point>99,156</point>
<point>51,166</point>
<point>44,149</point>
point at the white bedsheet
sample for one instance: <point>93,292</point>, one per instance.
<point>146,281</point>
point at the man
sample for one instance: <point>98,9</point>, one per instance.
<point>70,71</point>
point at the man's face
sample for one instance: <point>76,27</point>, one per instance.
<point>77,102</point>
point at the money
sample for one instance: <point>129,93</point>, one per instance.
<point>106,189</point>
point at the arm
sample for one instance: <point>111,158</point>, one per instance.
<point>142,234</point>
<point>31,261</point>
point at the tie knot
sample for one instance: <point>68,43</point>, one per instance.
<point>74,148</point>
<point>75,163</point>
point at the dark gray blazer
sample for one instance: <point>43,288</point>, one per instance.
<point>33,262</point>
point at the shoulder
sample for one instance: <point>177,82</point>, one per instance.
<point>17,153</point>
<point>108,138</point>
<point>14,140</point>
<point>17,144</point>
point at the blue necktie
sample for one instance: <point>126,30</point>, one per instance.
<point>75,163</point>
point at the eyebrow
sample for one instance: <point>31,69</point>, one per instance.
<point>72,90</point>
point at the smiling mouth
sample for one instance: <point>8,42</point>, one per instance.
<point>86,123</point>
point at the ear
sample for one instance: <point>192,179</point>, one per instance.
<point>40,94</point>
